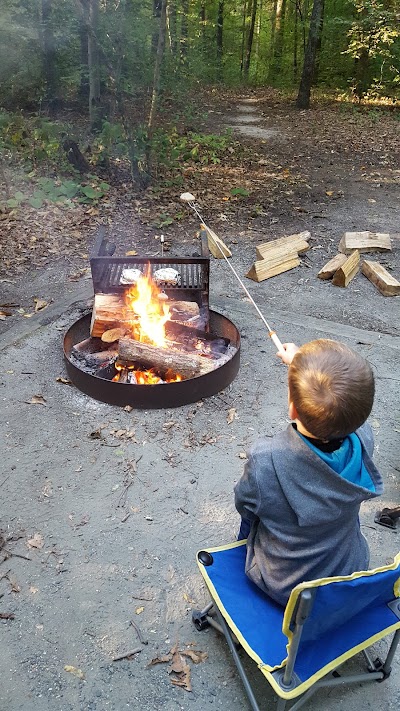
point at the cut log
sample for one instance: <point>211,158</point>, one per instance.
<point>348,270</point>
<point>266,268</point>
<point>290,245</point>
<point>216,246</point>
<point>114,334</point>
<point>365,242</point>
<point>110,312</point>
<point>163,359</point>
<point>332,266</point>
<point>95,360</point>
<point>380,277</point>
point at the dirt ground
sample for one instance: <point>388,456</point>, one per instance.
<point>103,510</point>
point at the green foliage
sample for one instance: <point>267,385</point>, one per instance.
<point>60,192</point>
<point>239,191</point>
<point>374,45</point>
<point>173,149</point>
<point>36,139</point>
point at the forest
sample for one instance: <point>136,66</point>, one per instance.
<point>120,63</point>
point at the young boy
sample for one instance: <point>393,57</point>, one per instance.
<point>301,490</point>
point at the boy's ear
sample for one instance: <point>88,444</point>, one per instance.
<point>292,411</point>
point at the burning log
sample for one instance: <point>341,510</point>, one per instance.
<point>110,311</point>
<point>95,360</point>
<point>164,359</point>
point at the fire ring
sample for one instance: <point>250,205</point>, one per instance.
<point>158,396</point>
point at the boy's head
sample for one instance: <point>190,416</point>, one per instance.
<point>331,387</point>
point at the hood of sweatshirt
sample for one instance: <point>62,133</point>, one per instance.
<point>320,486</point>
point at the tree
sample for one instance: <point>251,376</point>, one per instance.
<point>49,55</point>
<point>249,45</point>
<point>303,97</point>
<point>371,37</point>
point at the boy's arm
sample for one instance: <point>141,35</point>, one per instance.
<point>247,496</point>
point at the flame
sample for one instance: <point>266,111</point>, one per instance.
<point>145,377</point>
<point>150,312</point>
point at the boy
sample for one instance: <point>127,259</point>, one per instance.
<point>301,490</point>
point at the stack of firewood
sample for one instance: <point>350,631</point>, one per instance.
<point>343,267</point>
<point>279,256</point>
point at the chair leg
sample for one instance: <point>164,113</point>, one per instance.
<point>249,691</point>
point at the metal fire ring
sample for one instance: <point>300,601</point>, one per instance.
<point>160,396</point>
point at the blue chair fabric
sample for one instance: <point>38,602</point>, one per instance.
<point>349,613</point>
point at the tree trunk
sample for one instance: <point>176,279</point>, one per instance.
<point>244,18</point>
<point>250,40</point>
<point>295,42</point>
<point>319,45</point>
<point>275,65</point>
<point>49,56</point>
<point>362,74</point>
<point>94,67</point>
<point>220,31</point>
<point>156,81</point>
<point>184,30</point>
<point>84,56</point>
<point>303,97</point>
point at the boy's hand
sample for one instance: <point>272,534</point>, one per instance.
<point>289,350</point>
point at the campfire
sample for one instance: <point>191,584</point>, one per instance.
<point>148,338</point>
<point>150,326</point>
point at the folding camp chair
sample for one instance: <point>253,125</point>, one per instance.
<point>325,623</point>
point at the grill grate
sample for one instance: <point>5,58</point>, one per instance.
<point>107,271</point>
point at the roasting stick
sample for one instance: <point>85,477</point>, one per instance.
<point>189,199</point>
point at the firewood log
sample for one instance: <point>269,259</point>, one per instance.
<point>380,277</point>
<point>110,311</point>
<point>329,269</point>
<point>163,359</point>
<point>348,270</point>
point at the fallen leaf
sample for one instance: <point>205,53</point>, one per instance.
<point>65,381</point>
<point>242,455</point>
<point>168,425</point>
<point>188,599</point>
<point>7,616</point>
<point>131,253</point>
<point>128,408</point>
<point>329,193</point>
<point>232,415</point>
<point>195,655</point>
<point>40,304</point>
<point>4,314</point>
<point>160,660</point>
<point>36,542</point>
<point>96,434</point>
<point>75,671</point>
<point>139,610</point>
<point>36,400</point>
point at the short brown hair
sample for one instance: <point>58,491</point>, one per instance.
<point>331,387</point>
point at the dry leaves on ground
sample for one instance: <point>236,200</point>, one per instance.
<point>232,415</point>
<point>37,541</point>
<point>75,671</point>
<point>179,669</point>
<point>37,400</point>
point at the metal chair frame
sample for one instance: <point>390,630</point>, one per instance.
<point>377,670</point>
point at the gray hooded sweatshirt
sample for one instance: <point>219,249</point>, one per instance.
<point>304,514</point>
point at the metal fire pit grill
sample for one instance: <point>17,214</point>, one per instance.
<point>194,286</point>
